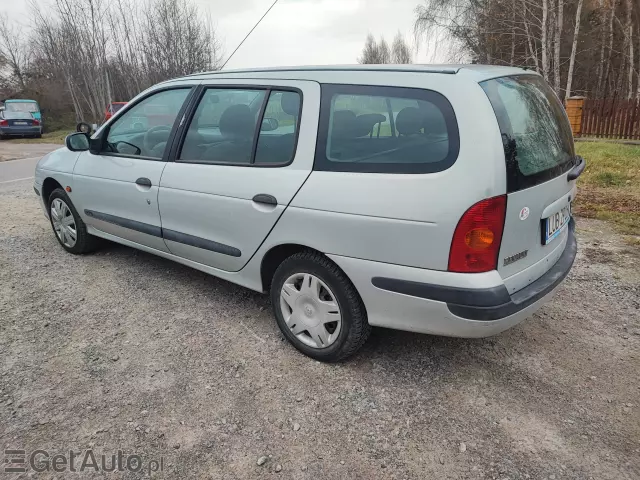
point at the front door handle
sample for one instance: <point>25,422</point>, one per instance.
<point>143,182</point>
<point>265,199</point>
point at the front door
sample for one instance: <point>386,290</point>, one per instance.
<point>246,151</point>
<point>117,187</point>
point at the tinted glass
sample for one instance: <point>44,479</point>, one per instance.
<point>386,130</point>
<point>535,131</point>
<point>115,107</point>
<point>223,127</point>
<point>17,115</point>
<point>22,107</point>
<point>144,129</point>
<point>279,129</point>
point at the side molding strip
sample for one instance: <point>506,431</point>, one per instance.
<point>166,234</point>
<point>126,223</point>
<point>200,243</point>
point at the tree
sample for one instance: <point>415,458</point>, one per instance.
<point>595,55</point>
<point>380,53</point>
<point>574,48</point>
<point>106,50</point>
<point>400,51</point>
<point>14,55</point>
<point>370,51</point>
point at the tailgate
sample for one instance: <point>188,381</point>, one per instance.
<point>539,153</point>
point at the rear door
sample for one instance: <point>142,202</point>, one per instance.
<point>244,153</point>
<point>539,152</point>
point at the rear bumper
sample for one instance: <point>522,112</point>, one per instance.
<point>445,303</point>
<point>490,303</point>
<point>19,131</point>
<point>503,305</point>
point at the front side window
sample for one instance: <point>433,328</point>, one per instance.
<point>224,128</point>
<point>145,128</point>
<point>385,130</point>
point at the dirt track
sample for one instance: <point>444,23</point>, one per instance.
<point>124,350</point>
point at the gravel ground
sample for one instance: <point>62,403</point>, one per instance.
<point>124,350</point>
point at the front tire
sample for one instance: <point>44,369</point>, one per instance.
<point>68,227</point>
<point>317,308</point>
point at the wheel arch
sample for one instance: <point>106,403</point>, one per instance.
<point>278,253</point>
<point>48,186</point>
<point>274,257</point>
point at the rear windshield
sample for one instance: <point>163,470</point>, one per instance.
<point>535,131</point>
<point>17,115</point>
<point>21,107</point>
<point>379,129</point>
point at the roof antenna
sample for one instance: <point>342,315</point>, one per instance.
<point>247,36</point>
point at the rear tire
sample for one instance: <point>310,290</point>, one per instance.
<point>317,307</point>
<point>68,227</point>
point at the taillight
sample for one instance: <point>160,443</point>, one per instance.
<point>36,123</point>
<point>476,240</point>
<point>4,123</point>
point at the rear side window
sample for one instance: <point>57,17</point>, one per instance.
<point>375,129</point>
<point>535,131</point>
<point>243,127</point>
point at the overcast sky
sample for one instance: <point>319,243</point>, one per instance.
<point>296,32</point>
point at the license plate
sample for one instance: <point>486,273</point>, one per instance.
<point>20,123</point>
<point>556,223</point>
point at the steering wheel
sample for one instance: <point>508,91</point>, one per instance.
<point>155,135</point>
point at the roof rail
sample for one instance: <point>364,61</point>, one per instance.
<point>346,68</point>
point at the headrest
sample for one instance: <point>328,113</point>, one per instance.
<point>290,103</point>
<point>237,121</point>
<point>409,121</point>
<point>344,124</point>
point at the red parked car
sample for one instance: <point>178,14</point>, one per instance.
<point>112,108</point>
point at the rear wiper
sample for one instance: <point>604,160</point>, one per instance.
<point>577,169</point>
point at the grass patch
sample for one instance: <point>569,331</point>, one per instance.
<point>51,137</point>
<point>609,188</point>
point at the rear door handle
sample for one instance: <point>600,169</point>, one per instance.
<point>265,199</point>
<point>577,170</point>
<point>143,182</point>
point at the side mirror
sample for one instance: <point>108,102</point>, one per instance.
<point>269,125</point>
<point>126,148</point>
<point>77,142</point>
<point>83,127</point>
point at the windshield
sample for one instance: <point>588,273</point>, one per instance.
<point>31,107</point>
<point>535,131</point>
<point>115,107</point>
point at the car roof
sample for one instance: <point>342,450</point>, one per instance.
<point>473,72</point>
<point>22,100</point>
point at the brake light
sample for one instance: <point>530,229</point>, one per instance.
<point>476,240</point>
<point>36,123</point>
<point>4,123</point>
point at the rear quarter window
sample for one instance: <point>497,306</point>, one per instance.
<point>375,129</point>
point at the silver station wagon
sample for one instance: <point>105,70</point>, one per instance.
<point>434,199</point>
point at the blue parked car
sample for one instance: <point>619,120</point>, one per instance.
<point>21,117</point>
